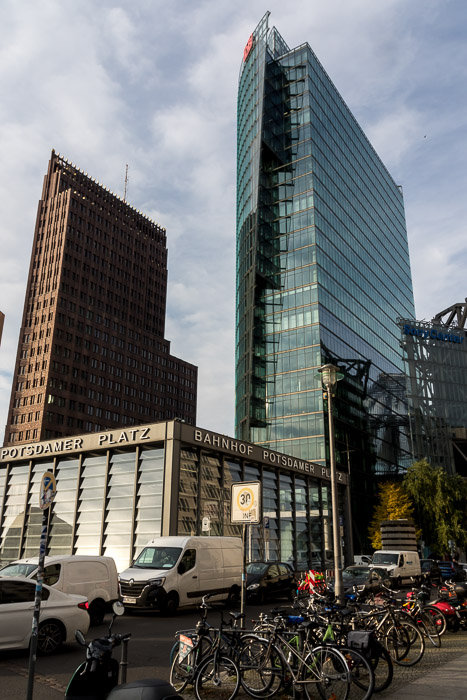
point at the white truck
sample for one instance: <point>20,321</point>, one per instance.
<point>177,571</point>
<point>400,565</point>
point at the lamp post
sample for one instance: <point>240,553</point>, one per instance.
<point>330,375</point>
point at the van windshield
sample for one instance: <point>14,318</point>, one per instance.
<point>18,570</point>
<point>158,558</point>
<point>385,558</point>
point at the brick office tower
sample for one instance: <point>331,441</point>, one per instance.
<point>91,353</point>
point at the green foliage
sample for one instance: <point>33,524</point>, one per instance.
<point>440,504</point>
<point>394,504</point>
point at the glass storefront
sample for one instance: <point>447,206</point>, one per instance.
<point>112,500</point>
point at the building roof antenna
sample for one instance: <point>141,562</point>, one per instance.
<point>126,183</point>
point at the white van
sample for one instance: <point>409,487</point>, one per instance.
<point>401,566</point>
<point>173,572</point>
<point>362,559</point>
<point>93,577</point>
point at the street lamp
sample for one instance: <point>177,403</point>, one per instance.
<point>330,375</point>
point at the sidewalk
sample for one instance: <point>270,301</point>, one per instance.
<point>446,681</point>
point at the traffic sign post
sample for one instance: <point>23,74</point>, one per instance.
<point>47,493</point>
<point>245,508</point>
<point>266,537</point>
<point>246,502</point>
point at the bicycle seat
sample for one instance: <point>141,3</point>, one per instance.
<point>346,611</point>
<point>237,615</point>
<point>310,624</point>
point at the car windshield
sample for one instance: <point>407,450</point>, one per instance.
<point>426,565</point>
<point>385,558</point>
<point>256,568</point>
<point>158,558</point>
<point>18,569</point>
<point>354,572</point>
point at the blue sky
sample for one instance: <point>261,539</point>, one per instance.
<point>153,84</point>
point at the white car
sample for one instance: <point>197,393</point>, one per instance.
<point>61,614</point>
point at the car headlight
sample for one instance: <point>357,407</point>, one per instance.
<point>156,581</point>
<point>253,587</point>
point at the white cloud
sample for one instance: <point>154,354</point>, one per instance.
<point>154,86</point>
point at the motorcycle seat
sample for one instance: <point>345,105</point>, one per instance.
<point>144,689</point>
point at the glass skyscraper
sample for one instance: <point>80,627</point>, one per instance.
<point>323,268</point>
<point>436,362</point>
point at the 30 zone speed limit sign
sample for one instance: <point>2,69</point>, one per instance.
<point>245,502</point>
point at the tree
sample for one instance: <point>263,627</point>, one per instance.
<point>394,504</point>
<point>440,504</point>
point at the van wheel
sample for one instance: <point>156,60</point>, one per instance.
<point>170,605</point>
<point>97,612</point>
<point>233,599</point>
<point>399,582</point>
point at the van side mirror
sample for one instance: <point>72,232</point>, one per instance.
<point>181,568</point>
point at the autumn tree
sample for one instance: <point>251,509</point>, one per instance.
<point>394,504</point>
<point>440,502</point>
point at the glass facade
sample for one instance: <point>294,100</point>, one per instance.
<point>323,268</point>
<point>436,367</point>
<point>99,507</point>
<point>295,524</point>
<point>176,480</point>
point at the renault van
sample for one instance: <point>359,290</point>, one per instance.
<point>172,572</point>
<point>91,576</point>
<point>400,565</point>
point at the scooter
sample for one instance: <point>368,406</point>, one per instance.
<point>454,595</point>
<point>97,678</point>
<point>453,608</point>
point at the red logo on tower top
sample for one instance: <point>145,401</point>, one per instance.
<point>248,47</point>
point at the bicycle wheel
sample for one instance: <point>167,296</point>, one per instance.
<point>325,670</point>
<point>261,667</point>
<point>181,674</point>
<point>438,618</point>
<point>428,628</point>
<point>396,640</point>
<point>217,678</point>
<point>382,666</point>
<point>363,677</point>
<point>405,643</point>
<point>182,671</point>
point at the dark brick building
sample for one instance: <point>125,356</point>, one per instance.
<point>92,353</point>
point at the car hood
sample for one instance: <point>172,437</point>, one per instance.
<point>348,583</point>
<point>253,578</point>
<point>138,574</point>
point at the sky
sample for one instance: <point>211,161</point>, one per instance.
<point>153,84</point>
